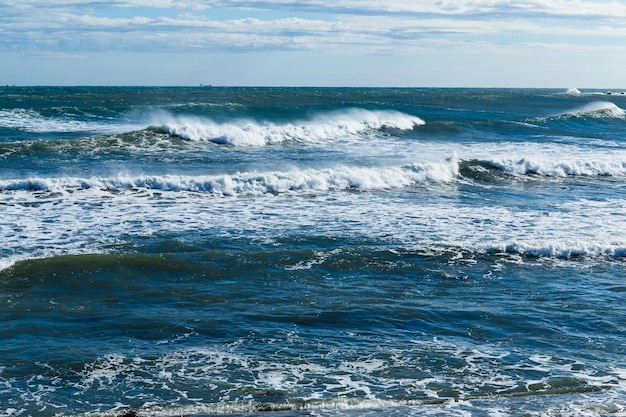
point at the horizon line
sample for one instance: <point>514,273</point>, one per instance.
<point>4,86</point>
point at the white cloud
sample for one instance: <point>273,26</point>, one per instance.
<point>580,8</point>
<point>397,28</point>
<point>612,9</point>
<point>372,24</point>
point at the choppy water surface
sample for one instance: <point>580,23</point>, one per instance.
<point>327,252</point>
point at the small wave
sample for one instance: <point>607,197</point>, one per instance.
<point>550,168</point>
<point>594,110</point>
<point>555,249</point>
<point>331,125</point>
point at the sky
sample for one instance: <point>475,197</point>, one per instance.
<point>386,43</point>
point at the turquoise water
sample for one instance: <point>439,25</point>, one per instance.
<point>305,251</point>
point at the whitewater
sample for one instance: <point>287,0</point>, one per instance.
<point>312,251</point>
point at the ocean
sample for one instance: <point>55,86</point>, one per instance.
<point>193,251</point>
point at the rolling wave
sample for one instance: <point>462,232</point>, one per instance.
<point>331,125</point>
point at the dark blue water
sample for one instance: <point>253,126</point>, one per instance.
<point>310,251</point>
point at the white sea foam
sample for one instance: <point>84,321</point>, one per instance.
<point>573,91</point>
<point>483,378</point>
<point>37,225</point>
<point>332,125</point>
<point>42,217</point>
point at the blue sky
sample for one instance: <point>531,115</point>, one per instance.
<point>471,43</point>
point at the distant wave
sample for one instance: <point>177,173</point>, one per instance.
<point>253,183</point>
<point>34,122</point>
<point>594,110</point>
<point>573,91</point>
<point>330,125</point>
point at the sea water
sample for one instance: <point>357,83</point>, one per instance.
<point>312,251</point>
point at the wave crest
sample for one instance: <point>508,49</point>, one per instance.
<point>338,124</point>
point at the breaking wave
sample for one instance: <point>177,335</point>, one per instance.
<point>332,125</point>
<point>253,183</point>
<point>315,180</point>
